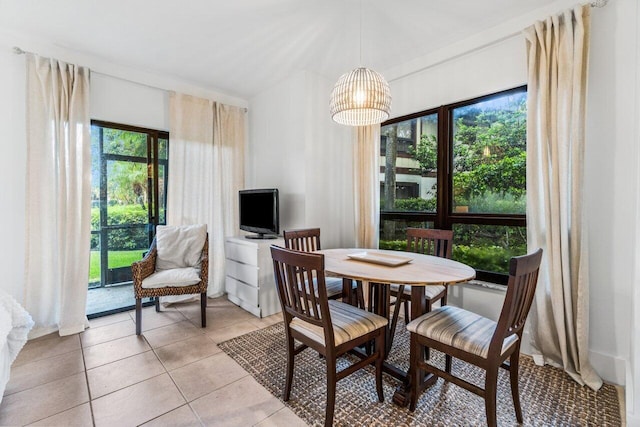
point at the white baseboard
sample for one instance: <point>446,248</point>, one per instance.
<point>612,369</point>
<point>633,421</point>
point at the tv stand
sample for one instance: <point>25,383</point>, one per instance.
<point>261,236</point>
<point>249,281</point>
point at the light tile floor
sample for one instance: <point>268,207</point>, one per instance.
<point>172,375</point>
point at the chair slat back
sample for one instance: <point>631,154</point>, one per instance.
<point>306,240</point>
<point>430,241</point>
<point>521,288</point>
<point>296,273</point>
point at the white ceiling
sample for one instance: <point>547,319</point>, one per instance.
<point>242,47</point>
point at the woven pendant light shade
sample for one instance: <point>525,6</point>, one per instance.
<point>360,97</point>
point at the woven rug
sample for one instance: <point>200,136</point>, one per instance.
<point>548,396</point>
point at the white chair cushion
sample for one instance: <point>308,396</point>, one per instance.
<point>430,291</point>
<point>459,328</point>
<point>349,323</point>
<point>179,246</point>
<point>176,277</point>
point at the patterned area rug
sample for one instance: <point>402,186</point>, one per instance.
<point>548,396</point>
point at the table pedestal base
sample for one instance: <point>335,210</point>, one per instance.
<point>402,394</point>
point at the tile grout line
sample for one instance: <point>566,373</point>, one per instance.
<point>174,383</point>
<point>86,378</point>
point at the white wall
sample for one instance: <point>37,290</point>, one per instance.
<point>118,94</point>
<point>611,185</point>
<point>295,147</point>
<point>13,154</point>
<point>121,101</point>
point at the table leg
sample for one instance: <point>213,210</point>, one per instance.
<point>418,308</point>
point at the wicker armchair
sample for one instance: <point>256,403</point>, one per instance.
<point>147,266</point>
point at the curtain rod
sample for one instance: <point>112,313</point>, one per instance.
<point>19,51</point>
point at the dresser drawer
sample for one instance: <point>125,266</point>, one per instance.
<point>244,272</point>
<point>241,253</point>
<point>242,291</point>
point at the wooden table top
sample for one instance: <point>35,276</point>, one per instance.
<point>422,270</point>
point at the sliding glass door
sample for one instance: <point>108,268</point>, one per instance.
<point>129,180</point>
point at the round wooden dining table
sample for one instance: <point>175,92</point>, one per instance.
<point>381,268</point>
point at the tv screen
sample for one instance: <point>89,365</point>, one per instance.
<point>259,212</point>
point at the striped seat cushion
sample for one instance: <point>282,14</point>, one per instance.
<point>334,286</point>
<point>349,323</point>
<point>429,291</point>
<point>459,328</point>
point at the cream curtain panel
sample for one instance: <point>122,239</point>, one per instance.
<point>366,155</point>
<point>557,51</point>
<point>206,170</point>
<point>58,222</point>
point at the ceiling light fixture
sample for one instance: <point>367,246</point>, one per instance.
<point>360,97</point>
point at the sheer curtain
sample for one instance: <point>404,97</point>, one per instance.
<point>366,155</point>
<point>58,223</point>
<point>206,170</point>
<point>557,52</point>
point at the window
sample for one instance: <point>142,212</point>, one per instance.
<point>462,167</point>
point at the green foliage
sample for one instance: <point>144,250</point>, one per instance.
<point>416,204</point>
<point>487,258</point>
<point>128,183</point>
<point>393,245</point>
<point>127,180</point>
<point>116,259</point>
<point>124,239</point>
<point>490,151</point>
<point>426,153</point>
<point>499,204</point>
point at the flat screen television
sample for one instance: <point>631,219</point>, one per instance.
<point>259,213</point>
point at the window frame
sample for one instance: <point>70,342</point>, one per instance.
<point>444,217</point>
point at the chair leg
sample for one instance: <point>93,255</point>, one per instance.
<point>490,390</point>
<point>360,294</point>
<point>138,316</point>
<point>427,353</point>
<point>396,313</point>
<point>414,371</point>
<point>443,301</point>
<point>447,363</point>
<point>380,346</point>
<point>407,319</point>
<point>203,309</point>
<point>290,359</point>
<point>513,377</point>
<point>331,389</point>
<point>157,301</point>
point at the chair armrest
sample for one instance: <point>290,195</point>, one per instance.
<point>144,268</point>
<point>204,265</point>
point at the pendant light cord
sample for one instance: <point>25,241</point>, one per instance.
<point>361,33</point>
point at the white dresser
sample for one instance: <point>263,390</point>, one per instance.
<point>249,275</point>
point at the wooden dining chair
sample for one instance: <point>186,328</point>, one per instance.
<point>330,327</point>
<point>308,240</point>
<point>428,241</point>
<point>477,340</point>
